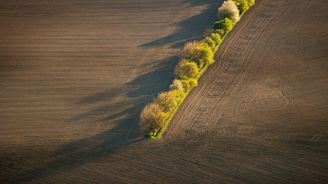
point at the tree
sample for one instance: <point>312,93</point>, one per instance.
<point>186,69</point>
<point>167,101</point>
<point>188,50</point>
<point>244,5</point>
<point>225,24</point>
<point>176,84</point>
<point>153,119</point>
<point>216,37</point>
<point>193,83</point>
<point>210,42</point>
<point>186,85</point>
<point>229,10</point>
<point>203,55</point>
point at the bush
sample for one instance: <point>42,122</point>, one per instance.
<point>210,42</point>
<point>186,69</point>
<point>203,55</point>
<point>251,2</point>
<point>216,37</point>
<point>220,32</point>
<point>225,24</point>
<point>176,84</point>
<point>244,5</point>
<point>186,85</point>
<point>153,119</point>
<point>188,50</point>
<point>229,10</point>
<point>189,84</point>
<point>178,95</point>
<point>167,101</point>
<point>193,83</point>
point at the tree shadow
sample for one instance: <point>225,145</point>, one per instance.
<point>124,112</point>
<point>191,28</point>
<point>125,131</point>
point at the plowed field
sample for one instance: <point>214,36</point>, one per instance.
<point>74,76</point>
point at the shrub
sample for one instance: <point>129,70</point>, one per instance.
<point>188,50</point>
<point>220,32</point>
<point>225,24</point>
<point>203,55</point>
<point>251,2</point>
<point>210,42</point>
<point>176,84</point>
<point>178,95</point>
<point>189,84</point>
<point>244,5</point>
<point>153,119</point>
<point>167,101</point>
<point>186,69</point>
<point>193,83</point>
<point>229,10</point>
<point>186,85</point>
<point>216,37</point>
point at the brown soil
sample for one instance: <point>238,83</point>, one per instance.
<point>76,74</point>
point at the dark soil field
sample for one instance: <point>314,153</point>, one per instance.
<point>74,76</point>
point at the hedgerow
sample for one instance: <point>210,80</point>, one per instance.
<point>196,57</point>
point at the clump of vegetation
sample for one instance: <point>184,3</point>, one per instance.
<point>193,83</point>
<point>167,100</point>
<point>210,42</point>
<point>218,31</point>
<point>178,95</point>
<point>186,69</point>
<point>217,38</point>
<point>195,58</point>
<point>204,55</point>
<point>177,85</point>
<point>188,50</point>
<point>201,53</point>
<point>189,84</point>
<point>229,10</point>
<point>225,25</point>
<point>244,5</point>
<point>153,119</point>
<point>186,85</point>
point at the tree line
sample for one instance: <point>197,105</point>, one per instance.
<point>195,58</point>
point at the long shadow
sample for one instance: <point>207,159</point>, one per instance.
<point>191,28</point>
<point>123,113</point>
<point>142,89</point>
<point>126,130</point>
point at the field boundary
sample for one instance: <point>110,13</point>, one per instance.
<point>196,57</point>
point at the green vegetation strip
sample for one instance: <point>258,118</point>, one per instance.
<point>196,57</point>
